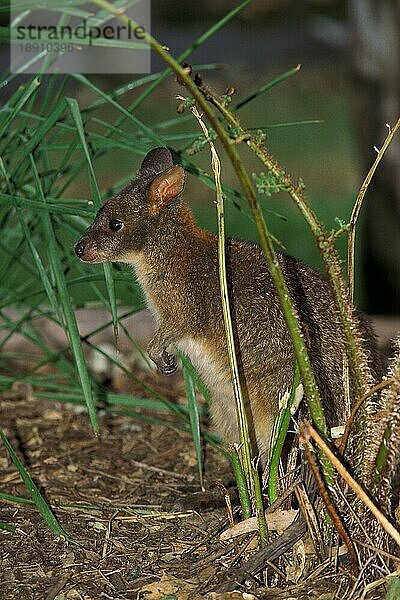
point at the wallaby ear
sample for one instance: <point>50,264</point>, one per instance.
<point>164,188</point>
<point>158,160</point>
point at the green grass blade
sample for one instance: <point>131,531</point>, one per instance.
<point>194,418</point>
<point>282,426</point>
<point>49,207</point>
<point>141,126</point>
<point>32,336</point>
<point>73,107</point>
<point>196,44</point>
<point>70,323</point>
<point>267,86</point>
<point>121,91</point>
<point>8,527</point>
<point>393,590</point>
<point>37,139</point>
<point>20,101</point>
<point>194,375</point>
<point>77,117</point>
<point>287,124</point>
<point>241,483</point>
<point>213,30</point>
<point>42,506</point>
<point>172,407</point>
<point>39,264</point>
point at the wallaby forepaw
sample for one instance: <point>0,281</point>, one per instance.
<point>166,363</point>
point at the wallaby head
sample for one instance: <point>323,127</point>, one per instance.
<point>122,225</point>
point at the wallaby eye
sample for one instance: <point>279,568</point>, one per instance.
<point>115,225</point>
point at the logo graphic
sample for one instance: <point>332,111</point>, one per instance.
<point>80,39</point>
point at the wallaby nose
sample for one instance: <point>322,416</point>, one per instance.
<point>79,249</point>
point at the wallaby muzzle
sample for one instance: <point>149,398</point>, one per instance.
<point>87,251</point>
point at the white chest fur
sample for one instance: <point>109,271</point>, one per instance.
<point>218,381</point>
<point>142,273</point>
<point>215,376</point>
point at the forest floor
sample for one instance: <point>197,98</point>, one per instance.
<point>127,498</point>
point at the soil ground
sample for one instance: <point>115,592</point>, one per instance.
<point>124,498</point>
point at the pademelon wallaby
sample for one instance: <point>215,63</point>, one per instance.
<point>149,226</point>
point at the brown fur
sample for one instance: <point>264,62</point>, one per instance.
<point>177,265</point>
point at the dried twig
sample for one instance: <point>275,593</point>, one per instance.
<point>228,502</point>
<point>378,583</point>
<point>308,431</point>
<point>274,550</point>
<point>358,204</point>
<point>357,405</point>
<point>312,523</point>
<point>331,509</point>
